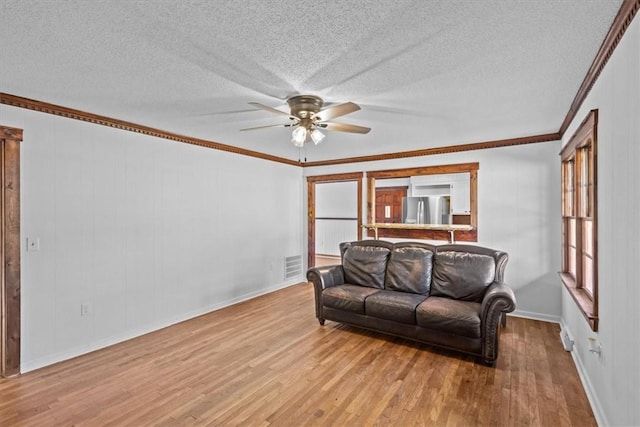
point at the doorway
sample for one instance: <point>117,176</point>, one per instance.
<point>334,206</point>
<point>10,139</point>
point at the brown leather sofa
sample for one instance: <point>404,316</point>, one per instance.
<point>451,296</point>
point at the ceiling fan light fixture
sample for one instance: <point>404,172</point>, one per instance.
<point>317,136</point>
<point>298,136</point>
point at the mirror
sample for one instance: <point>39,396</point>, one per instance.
<point>424,203</point>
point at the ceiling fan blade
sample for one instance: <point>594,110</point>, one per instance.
<point>272,110</point>
<point>343,127</point>
<point>336,111</point>
<point>286,125</point>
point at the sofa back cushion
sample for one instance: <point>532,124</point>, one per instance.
<point>409,270</point>
<point>365,265</point>
<point>462,275</point>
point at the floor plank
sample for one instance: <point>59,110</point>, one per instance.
<point>267,362</point>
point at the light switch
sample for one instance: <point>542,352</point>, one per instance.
<point>33,244</point>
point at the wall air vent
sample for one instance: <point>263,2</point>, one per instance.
<point>292,266</point>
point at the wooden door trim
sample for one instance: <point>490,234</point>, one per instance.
<point>311,207</point>
<point>10,251</point>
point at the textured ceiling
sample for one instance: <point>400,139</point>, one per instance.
<point>426,73</point>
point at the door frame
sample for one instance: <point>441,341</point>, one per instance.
<point>311,207</point>
<point>10,139</point>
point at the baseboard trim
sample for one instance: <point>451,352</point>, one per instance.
<point>596,407</point>
<point>42,362</point>
<point>535,316</point>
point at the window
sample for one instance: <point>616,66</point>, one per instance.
<point>579,219</point>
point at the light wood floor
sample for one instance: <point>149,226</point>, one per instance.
<point>322,260</point>
<point>268,362</point>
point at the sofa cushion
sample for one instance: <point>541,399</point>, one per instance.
<point>391,305</point>
<point>365,265</point>
<point>449,315</point>
<point>409,270</point>
<point>347,297</point>
<point>462,275</point>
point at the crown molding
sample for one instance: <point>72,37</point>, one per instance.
<point>441,150</point>
<point>623,19</point>
<point>57,110</point>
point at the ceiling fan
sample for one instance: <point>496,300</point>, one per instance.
<point>308,118</point>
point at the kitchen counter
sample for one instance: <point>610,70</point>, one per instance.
<point>451,228</point>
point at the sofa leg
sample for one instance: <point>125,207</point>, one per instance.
<point>321,321</point>
<point>489,363</point>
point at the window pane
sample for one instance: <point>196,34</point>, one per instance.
<point>571,259</point>
<point>584,180</point>
<point>590,189</point>
<point>587,237</point>
<point>587,274</point>
<point>572,232</point>
<point>565,245</point>
<point>569,190</point>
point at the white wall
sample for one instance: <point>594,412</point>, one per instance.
<point>147,231</point>
<point>337,199</point>
<point>613,379</point>
<point>518,212</point>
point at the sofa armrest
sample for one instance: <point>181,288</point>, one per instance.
<point>323,278</point>
<point>498,299</point>
<point>326,277</point>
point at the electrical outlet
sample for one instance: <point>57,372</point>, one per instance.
<point>594,346</point>
<point>85,309</point>
<point>33,244</point>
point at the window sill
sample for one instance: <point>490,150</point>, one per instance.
<point>582,300</point>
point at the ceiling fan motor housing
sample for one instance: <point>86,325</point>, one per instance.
<point>304,106</point>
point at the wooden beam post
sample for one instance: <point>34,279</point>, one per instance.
<point>10,251</point>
